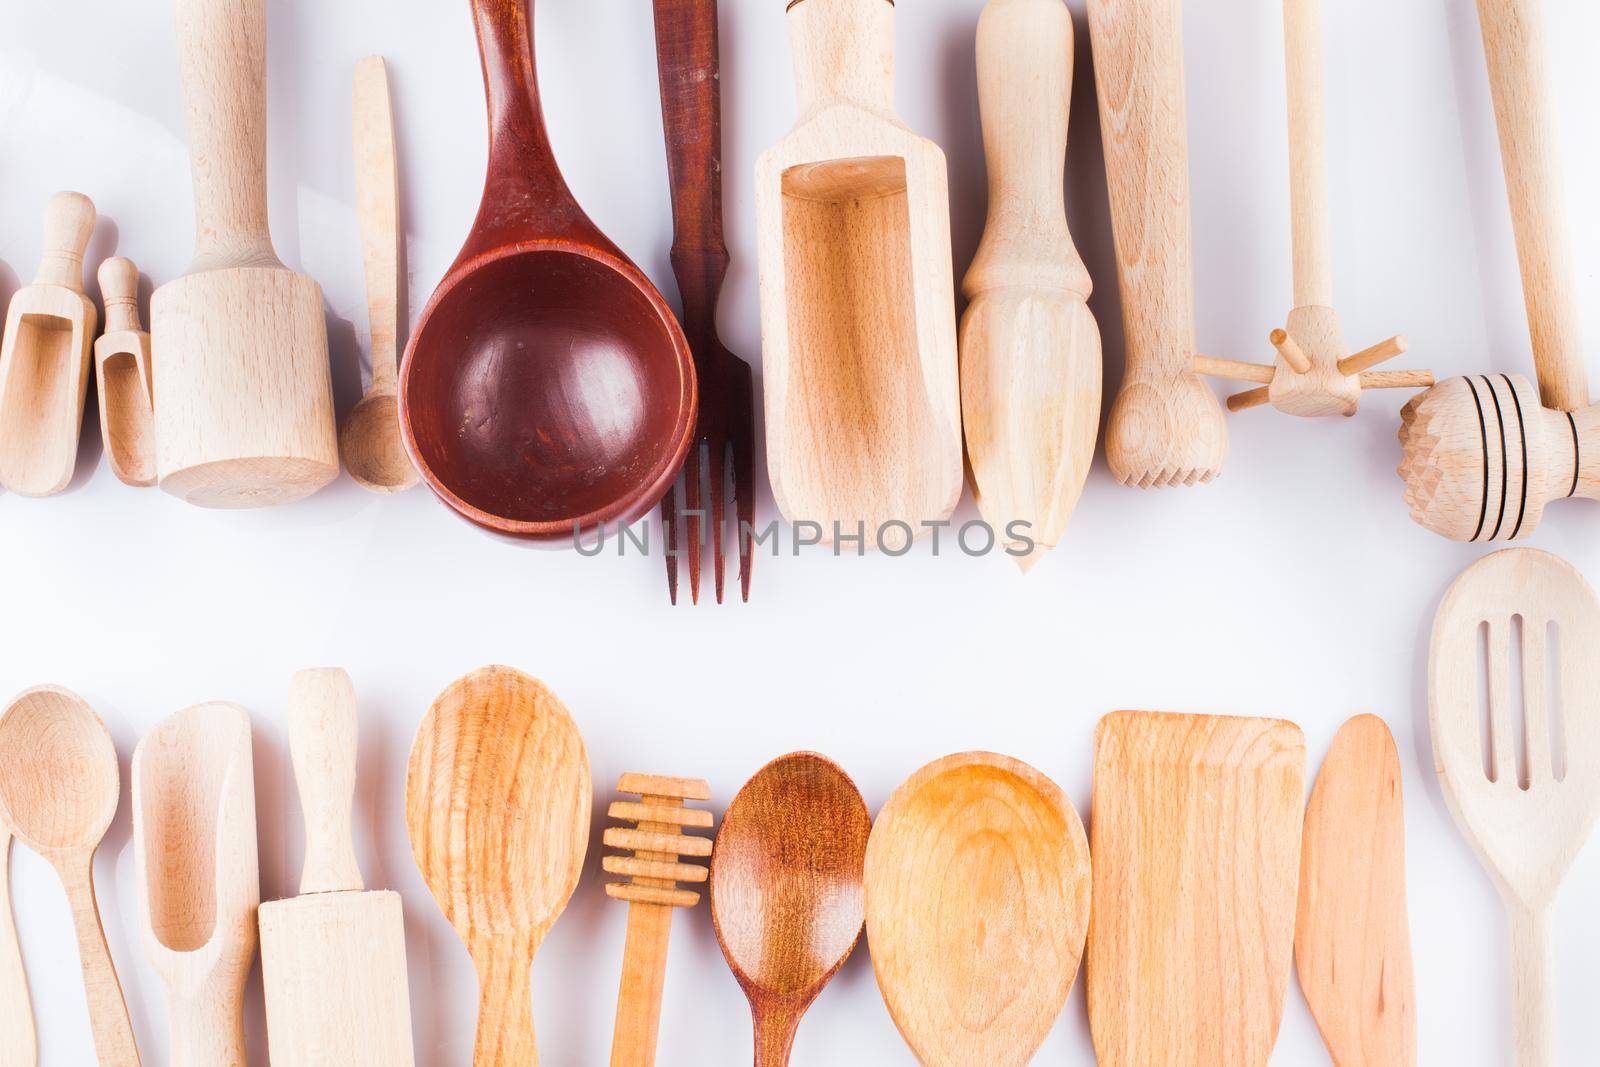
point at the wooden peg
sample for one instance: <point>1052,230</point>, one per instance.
<point>1291,351</point>
<point>1368,358</point>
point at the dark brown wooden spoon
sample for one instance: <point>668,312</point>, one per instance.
<point>786,890</point>
<point>548,384</point>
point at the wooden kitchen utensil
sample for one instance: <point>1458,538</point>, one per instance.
<point>1166,427</point>
<point>60,786</point>
<point>21,1047</point>
<point>370,442</point>
<point>691,105</point>
<point>977,903</point>
<point>1314,374</point>
<point>498,797</point>
<point>1352,940</point>
<point>1520,769</point>
<point>786,889</point>
<point>537,418</point>
<point>194,846</point>
<point>857,302</point>
<point>1195,834</point>
<point>659,846</point>
<point>44,359</point>
<point>122,378</point>
<point>333,959</point>
<point>244,412</point>
<point>1030,348</point>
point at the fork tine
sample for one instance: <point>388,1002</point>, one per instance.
<point>1535,704</point>
<point>717,448</point>
<point>693,510</point>
<point>669,542</point>
<point>741,438</point>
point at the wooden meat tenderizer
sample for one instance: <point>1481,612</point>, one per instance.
<point>333,960</point>
<point>1314,374</point>
<point>1030,348</point>
<point>122,378</point>
<point>654,871</point>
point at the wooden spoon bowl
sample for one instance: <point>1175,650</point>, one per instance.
<point>59,778</point>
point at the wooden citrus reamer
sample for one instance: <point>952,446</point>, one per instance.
<point>654,870</point>
<point>1314,374</point>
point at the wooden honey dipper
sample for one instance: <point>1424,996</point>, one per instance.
<point>654,870</point>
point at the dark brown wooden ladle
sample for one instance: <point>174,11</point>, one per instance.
<point>548,385</point>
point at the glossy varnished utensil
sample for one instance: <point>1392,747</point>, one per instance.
<point>1513,653</point>
<point>498,797</point>
<point>786,890</point>
<point>977,904</point>
<point>21,1049</point>
<point>122,378</point>
<point>60,786</point>
<point>548,386</point>
<point>691,104</point>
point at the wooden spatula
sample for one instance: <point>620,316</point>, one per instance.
<point>1517,634</point>
<point>1352,940</point>
<point>1195,834</point>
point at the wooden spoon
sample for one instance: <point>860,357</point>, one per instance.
<point>786,890</point>
<point>498,796</point>
<point>573,408</point>
<point>1352,940</point>
<point>1526,804</point>
<point>60,786</point>
<point>122,377</point>
<point>977,899</point>
<point>21,1047</point>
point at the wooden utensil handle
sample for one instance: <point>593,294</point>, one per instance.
<point>322,745</point>
<point>378,207</point>
<point>843,50</point>
<point>208,1025</point>
<point>114,1045</point>
<point>505,1036</point>
<point>222,57</point>
<point>119,290</point>
<point>1514,48</point>
<point>68,224</point>
<point>1308,163</point>
<point>775,1030</point>
<point>1531,987</point>
<point>644,970</point>
<point>20,1049</point>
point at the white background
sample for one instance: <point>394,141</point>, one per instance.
<point>1295,585</point>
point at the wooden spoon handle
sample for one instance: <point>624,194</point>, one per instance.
<point>505,1036</point>
<point>775,1029</point>
<point>1308,165</point>
<point>322,744</point>
<point>1531,987</point>
<point>20,1048</point>
<point>108,1013</point>
<point>378,207</point>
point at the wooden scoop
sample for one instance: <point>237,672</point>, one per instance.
<point>1352,940</point>
<point>122,377</point>
<point>977,900</point>
<point>44,361</point>
<point>1525,786</point>
<point>21,1047</point>
<point>1195,834</point>
<point>245,417</point>
<point>498,797</point>
<point>857,302</point>
<point>194,846</point>
<point>786,889</point>
<point>60,787</point>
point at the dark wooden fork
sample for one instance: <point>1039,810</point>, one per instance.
<point>691,105</point>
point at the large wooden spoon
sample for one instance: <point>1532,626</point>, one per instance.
<point>786,890</point>
<point>498,796</point>
<point>60,785</point>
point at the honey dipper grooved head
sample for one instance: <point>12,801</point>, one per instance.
<point>658,841</point>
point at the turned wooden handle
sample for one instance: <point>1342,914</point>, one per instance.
<point>322,744</point>
<point>378,207</point>
<point>20,1049</point>
<point>119,291</point>
<point>1531,987</point>
<point>68,224</point>
<point>843,52</point>
<point>114,1045</point>
<point>1308,162</point>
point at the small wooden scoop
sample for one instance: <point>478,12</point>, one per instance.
<point>21,1047</point>
<point>1195,834</point>
<point>1352,940</point>
<point>1526,803</point>
<point>122,375</point>
<point>977,899</point>
<point>194,845</point>
<point>786,890</point>
<point>44,361</point>
<point>498,797</point>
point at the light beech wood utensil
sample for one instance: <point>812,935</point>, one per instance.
<point>858,326</point>
<point>1030,348</point>
<point>1166,427</point>
<point>1514,709</point>
<point>498,797</point>
<point>122,377</point>
<point>977,904</point>
<point>1195,834</point>
<point>244,412</point>
<point>44,358</point>
<point>60,786</point>
<point>194,846</point>
<point>659,846</point>
<point>333,959</point>
<point>370,442</point>
<point>21,1047</point>
<point>1352,940</point>
<point>786,889</point>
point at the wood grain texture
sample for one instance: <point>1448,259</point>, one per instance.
<point>787,890</point>
<point>1512,707</point>
<point>1352,941</point>
<point>323,736</point>
<point>1195,833</point>
<point>21,1047</point>
<point>857,299</point>
<point>1030,348</point>
<point>977,905</point>
<point>122,378</point>
<point>498,797</point>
